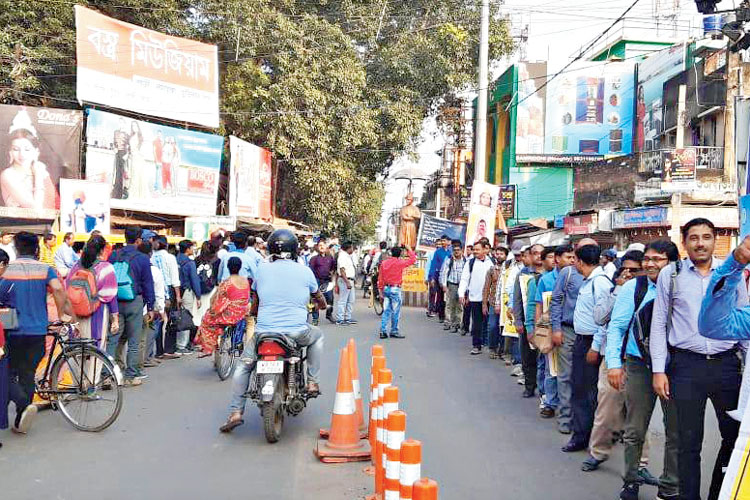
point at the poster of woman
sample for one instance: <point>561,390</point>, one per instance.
<point>84,206</point>
<point>41,146</point>
<point>482,212</point>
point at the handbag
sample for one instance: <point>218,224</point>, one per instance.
<point>180,320</point>
<point>9,318</point>
<point>542,337</point>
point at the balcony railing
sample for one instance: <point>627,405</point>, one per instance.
<point>706,158</point>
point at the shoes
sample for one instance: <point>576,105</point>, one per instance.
<point>330,318</point>
<point>629,491</point>
<point>340,323</point>
<point>184,352</point>
<point>456,329</point>
<point>464,333</point>
<point>591,464</point>
<point>27,418</point>
<point>573,447</point>
<point>447,327</point>
<point>316,322</point>
<point>521,381</point>
<point>150,363</point>
<point>667,497</point>
<point>517,371</point>
<point>132,382</point>
<point>430,314</point>
<point>475,351</point>
<point>493,355</point>
<point>528,394</point>
<point>141,377</point>
<point>397,336</point>
<point>564,430</point>
<point>350,322</point>
<point>383,335</point>
<point>171,355</point>
<point>645,475</point>
<point>547,412</point>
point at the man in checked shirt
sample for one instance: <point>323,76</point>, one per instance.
<point>450,277</point>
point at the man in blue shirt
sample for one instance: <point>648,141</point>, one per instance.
<point>249,256</point>
<point>24,287</point>
<point>284,288</point>
<point>639,394</point>
<point>190,289</point>
<point>437,296</point>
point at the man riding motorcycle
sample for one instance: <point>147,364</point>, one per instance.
<point>284,288</point>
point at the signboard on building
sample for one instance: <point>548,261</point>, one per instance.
<point>200,228</point>
<point>249,179</point>
<point>656,69</point>
<point>153,168</point>
<point>42,146</point>
<point>559,221</point>
<point>581,224</point>
<point>84,206</point>
<point>640,217</point>
<point>129,67</point>
<point>508,201</point>
<point>590,110</point>
<point>432,228</point>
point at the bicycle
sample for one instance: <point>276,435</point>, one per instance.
<point>231,345</point>
<point>376,301</point>
<point>80,373</point>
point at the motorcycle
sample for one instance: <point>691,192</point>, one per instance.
<point>279,386</point>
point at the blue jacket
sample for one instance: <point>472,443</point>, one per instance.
<point>437,263</point>
<point>720,318</point>
<point>189,275</point>
<point>140,266</point>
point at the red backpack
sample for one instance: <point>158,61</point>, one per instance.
<point>82,293</point>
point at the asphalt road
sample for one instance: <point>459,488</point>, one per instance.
<point>481,440</point>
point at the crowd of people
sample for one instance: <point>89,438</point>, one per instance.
<point>600,336</point>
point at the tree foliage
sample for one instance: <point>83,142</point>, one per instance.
<point>337,89</point>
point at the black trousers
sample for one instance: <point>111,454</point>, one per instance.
<point>478,320</point>
<point>584,380</point>
<point>437,299</point>
<point>528,363</point>
<point>693,380</point>
<point>466,319</point>
<point>25,353</point>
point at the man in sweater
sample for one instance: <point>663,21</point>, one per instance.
<point>472,282</point>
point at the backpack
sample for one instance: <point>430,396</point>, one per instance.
<point>125,278</point>
<point>603,311</point>
<point>641,320</point>
<point>83,293</point>
<point>207,277</point>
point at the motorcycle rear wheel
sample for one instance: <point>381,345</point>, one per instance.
<point>273,421</point>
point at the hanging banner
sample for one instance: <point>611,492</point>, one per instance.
<point>482,212</point>
<point>84,206</point>
<point>432,228</point>
<point>200,229</point>
<point>42,146</point>
<point>153,168</point>
<point>129,67</point>
<point>249,191</point>
<point>508,201</point>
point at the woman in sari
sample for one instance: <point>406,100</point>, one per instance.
<point>229,305</point>
<point>106,318</point>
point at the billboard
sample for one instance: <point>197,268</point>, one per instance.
<point>590,111</point>
<point>153,168</point>
<point>200,229</point>
<point>530,112</point>
<point>129,67</point>
<point>482,212</point>
<point>652,73</point>
<point>41,146</point>
<point>432,228</point>
<point>250,177</point>
<point>84,206</point>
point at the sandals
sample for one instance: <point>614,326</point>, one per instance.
<point>202,355</point>
<point>494,355</point>
<point>231,423</point>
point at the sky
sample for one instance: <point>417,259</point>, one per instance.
<point>558,29</point>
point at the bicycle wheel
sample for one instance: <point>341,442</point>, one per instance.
<point>378,304</point>
<point>78,380</point>
<point>224,357</point>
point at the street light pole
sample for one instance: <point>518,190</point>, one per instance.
<point>480,152</point>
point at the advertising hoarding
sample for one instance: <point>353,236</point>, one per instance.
<point>153,168</point>
<point>590,111</point>
<point>482,212</point>
<point>129,67</point>
<point>200,228</point>
<point>250,179</point>
<point>84,206</point>
<point>41,146</point>
<point>432,228</point>
<point>530,112</point>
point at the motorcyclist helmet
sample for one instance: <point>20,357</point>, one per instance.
<point>283,244</point>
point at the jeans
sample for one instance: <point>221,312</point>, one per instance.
<point>24,354</point>
<point>583,401</point>
<point>477,323</point>
<point>158,343</point>
<point>391,309</point>
<point>541,364</point>
<point>454,309</point>
<point>693,380</point>
<point>131,326</point>
<point>188,302</point>
<point>310,336</point>
<point>346,301</point>
<point>565,379</point>
<point>640,400</point>
<point>515,351</point>
<point>528,362</point>
<point>493,327</point>
<point>551,398</point>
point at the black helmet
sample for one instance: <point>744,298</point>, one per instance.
<point>283,243</point>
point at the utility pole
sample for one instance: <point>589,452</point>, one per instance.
<point>480,152</point>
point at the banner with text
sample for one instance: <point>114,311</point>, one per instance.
<point>482,212</point>
<point>432,228</point>
<point>42,146</point>
<point>250,177</point>
<point>134,68</point>
<point>84,206</point>
<point>153,168</point>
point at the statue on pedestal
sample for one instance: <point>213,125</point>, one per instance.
<point>410,216</point>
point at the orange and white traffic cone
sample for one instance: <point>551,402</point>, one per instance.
<point>344,444</point>
<point>378,363</point>
<point>395,435</point>
<point>411,467</point>
<point>425,489</point>
<point>385,378</point>
<point>351,350</point>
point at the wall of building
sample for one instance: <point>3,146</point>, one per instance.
<point>542,191</point>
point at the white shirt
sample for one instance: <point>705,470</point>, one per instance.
<point>346,262</point>
<point>160,288</point>
<point>170,268</point>
<point>10,249</point>
<point>610,269</point>
<point>473,279</point>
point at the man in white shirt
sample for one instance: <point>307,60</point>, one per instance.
<point>472,281</point>
<point>6,243</point>
<point>608,263</point>
<point>345,284</point>
<point>65,256</point>
<point>167,264</point>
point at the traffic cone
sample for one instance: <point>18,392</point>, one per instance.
<point>385,377</point>
<point>344,444</point>
<point>395,434</point>
<point>378,363</point>
<point>411,467</point>
<point>425,489</point>
<point>351,350</point>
